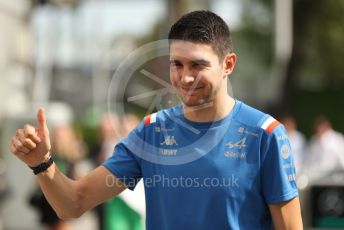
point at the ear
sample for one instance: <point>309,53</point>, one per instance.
<point>229,63</point>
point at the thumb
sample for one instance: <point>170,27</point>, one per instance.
<point>41,119</point>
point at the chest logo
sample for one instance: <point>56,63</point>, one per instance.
<point>169,141</point>
<point>239,144</point>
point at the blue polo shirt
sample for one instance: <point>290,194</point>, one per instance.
<point>212,175</point>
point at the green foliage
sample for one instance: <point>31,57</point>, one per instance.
<point>322,45</point>
<point>256,31</point>
<point>309,104</point>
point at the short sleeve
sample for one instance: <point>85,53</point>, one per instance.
<point>124,164</point>
<point>278,169</point>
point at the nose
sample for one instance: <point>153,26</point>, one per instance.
<point>187,76</point>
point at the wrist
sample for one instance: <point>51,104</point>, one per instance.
<point>45,158</point>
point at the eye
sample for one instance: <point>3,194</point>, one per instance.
<point>175,64</point>
<point>198,65</point>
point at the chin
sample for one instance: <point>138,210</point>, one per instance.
<point>196,103</point>
<point>191,104</point>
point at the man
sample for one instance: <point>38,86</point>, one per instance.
<point>241,176</point>
<point>324,154</point>
<point>296,139</point>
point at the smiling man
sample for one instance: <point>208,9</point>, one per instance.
<point>211,162</point>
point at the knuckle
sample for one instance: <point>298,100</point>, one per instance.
<point>13,148</point>
<point>26,126</point>
<point>15,152</point>
<point>33,137</point>
<point>17,133</point>
<point>29,134</point>
<point>28,142</point>
<point>15,142</point>
<point>18,151</point>
<point>23,149</point>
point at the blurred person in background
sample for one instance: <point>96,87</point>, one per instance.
<point>297,140</point>
<point>110,128</point>
<point>68,151</point>
<point>69,148</point>
<point>133,206</point>
<point>122,212</point>
<point>325,152</point>
<point>129,122</point>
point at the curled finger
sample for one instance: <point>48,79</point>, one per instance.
<point>15,151</point>
<point>30,132</point>
<point>28,143</point>
<point>19,146</point>
<point>20,135</point>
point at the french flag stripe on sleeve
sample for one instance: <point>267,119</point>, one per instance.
<point>270,124</point>
<point>150,119</point>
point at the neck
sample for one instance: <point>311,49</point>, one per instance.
<point>212,111</point>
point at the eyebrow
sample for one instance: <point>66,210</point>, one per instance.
<point>201,62</point>
<point>194,62</point>
<point>173,61</point>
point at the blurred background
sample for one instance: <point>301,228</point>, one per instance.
<point>63,54</point>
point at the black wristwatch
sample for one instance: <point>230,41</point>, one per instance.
<point>42,167</point>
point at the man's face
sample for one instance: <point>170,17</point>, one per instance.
<point>196,73</point>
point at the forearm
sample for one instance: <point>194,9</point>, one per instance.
<point>287,215</point>
<point>61,192</point>
<point>71,198</point>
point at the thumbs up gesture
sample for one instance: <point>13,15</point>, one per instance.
<point>32,144</point>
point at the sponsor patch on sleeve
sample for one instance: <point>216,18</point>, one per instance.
<point>151,118</point>
<point>270,124</point>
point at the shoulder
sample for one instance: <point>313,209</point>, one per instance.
<point>255,118</point>
<point>164,116</point>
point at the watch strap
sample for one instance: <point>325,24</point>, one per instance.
<point>42,167</point>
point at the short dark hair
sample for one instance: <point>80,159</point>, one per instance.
<point>203,27</point>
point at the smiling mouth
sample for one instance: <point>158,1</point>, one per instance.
<point>190,89</point>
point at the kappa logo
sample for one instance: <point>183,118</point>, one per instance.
<point>239,144</point>
<point>169,140</point>
<point>285,150</point>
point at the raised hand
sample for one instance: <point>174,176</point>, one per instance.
<point>32,145</point>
